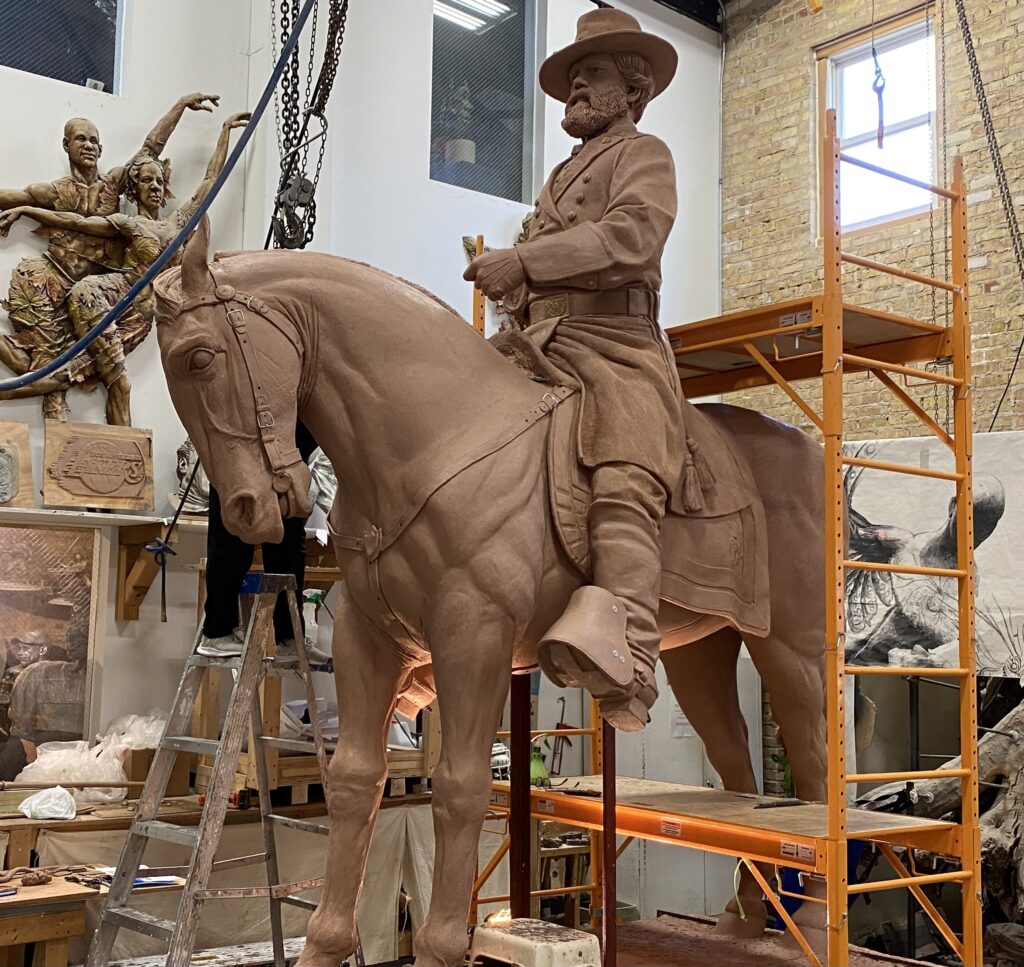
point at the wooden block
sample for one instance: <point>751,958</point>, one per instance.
<point>87,465</point>
<point>16,460</point>
<point>138,762</point>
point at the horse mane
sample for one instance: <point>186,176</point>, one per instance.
<point>423,290</point>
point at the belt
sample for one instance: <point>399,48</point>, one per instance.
<point>616,302</point>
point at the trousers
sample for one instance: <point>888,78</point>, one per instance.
<point>228,560</point>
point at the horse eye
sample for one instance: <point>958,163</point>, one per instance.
<point>200,359</point>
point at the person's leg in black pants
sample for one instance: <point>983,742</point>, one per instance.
<point>228,559</point>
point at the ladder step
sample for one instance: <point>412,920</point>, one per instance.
<point>300,824</point>
<point>139,921</point>
<point>206,662</point>
<point>289,745</point>
<point>188,743</point>
<point>168,832</point>
<point>300,901</point>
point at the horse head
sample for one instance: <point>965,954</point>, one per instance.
<point>234,368</point>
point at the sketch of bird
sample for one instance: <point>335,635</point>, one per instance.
<point>910,612</point>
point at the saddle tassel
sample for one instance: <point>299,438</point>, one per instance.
<point>698,478</point>
<point>705,474</point>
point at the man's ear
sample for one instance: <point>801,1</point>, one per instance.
<point>65,143</point>
<point>99,152</point>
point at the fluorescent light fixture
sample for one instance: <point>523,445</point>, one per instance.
<point>489,8</point>
<point>456,16</point>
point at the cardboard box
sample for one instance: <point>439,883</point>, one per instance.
<point>137,763</point>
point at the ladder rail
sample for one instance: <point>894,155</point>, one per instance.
<point>243,714</point>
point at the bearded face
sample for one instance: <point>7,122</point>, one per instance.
<point>598,96</point>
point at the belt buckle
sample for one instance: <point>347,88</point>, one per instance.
<point>556,306</point>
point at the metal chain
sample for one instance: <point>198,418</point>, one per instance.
<point>1005,196</point>
<point>296,216</point>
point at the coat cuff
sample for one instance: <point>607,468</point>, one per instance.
<point>563,256</point>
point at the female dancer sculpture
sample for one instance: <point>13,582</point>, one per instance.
<point>146,236</point>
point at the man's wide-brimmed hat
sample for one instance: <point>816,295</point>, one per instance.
<point>608,31</point>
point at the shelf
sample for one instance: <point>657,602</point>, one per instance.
<point>720,821</point>
<point>711,357</point>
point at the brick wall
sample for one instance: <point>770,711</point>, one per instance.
<point>769,200</point>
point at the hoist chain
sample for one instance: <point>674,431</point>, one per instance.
<point>1005,196</point>
<point>296,212</point>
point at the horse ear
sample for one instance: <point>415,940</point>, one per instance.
<point>196,278</point>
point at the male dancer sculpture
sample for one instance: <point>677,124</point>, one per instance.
<point>40,284</point>
<point>587,277</point>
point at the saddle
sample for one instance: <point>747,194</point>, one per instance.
<point>715,556</point>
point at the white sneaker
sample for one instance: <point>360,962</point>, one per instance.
<point>286,651</point>
<point>229,646</point>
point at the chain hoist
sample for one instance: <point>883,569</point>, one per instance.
<point>294,219</point>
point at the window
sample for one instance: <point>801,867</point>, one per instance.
<point>907,59</point>
<point>481,133</point>
<point>70,40</point>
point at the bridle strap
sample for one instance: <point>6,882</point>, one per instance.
<point>280,458</point>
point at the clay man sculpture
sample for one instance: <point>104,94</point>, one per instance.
<point>40,284</point>
<point>144,236</point>
<point>588,277</point>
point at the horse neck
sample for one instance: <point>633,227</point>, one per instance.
<point>400,380</point>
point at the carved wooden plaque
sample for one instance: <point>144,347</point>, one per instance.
<point>91,465</point>
<point>15,466</point>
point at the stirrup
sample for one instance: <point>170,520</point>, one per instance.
<point>587,648</point>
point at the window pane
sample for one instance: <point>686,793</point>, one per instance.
<point>867,196</point>
<point>909,71</point>
<point>69,40</point>
<point>482,103</point>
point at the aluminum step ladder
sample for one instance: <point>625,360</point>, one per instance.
<point>244,715</point>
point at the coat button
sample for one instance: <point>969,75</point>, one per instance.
<point>580,197</point>
<point>572,216</point>
<point>592,284</point>
<point>586,178</point>
<point>605,140</point>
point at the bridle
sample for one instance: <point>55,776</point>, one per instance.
<point>283,459</point>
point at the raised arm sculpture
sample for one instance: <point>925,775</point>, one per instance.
<point>39,287</point>
<point>144,237</point>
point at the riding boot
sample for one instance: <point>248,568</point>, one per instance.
<point>588,646</point>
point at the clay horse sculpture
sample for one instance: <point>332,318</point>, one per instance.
<point>453,536</point>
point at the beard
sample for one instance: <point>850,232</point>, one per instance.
<point>587,114</point>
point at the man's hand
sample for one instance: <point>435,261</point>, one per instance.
<point>8,218</point>
<point>237,120</point>
<point>197,102</point>
<point>496,273</point>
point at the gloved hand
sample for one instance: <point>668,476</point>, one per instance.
<point>496,273</point>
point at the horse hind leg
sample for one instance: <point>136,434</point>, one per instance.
<point>703,679</point>
<point>471,648</point>
<point>368,681</point>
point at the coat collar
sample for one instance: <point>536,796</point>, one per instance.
<point>585,154</point>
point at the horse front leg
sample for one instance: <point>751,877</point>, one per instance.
<point>471,646</point>
<point>368,677</point>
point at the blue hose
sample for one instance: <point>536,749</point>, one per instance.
<point>158,266</point>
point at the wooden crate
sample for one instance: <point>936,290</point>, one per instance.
<point>88,465</point>
<point>14,436</point>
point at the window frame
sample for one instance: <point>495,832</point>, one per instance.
<point>889,32</point>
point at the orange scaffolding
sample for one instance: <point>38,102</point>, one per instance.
<point>824,337</point>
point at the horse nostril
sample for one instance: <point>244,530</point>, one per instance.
<point>242,507</point>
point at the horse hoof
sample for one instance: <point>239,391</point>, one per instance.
<point>733,925</point>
